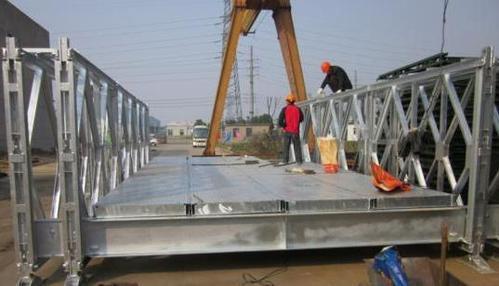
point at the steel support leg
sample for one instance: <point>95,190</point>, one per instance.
<point>227,64</point>
<point>291,56</point>
<point>20,171</point>
<point>479,161</point>
<point>68,172</point>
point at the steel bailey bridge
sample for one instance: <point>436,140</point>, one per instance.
<point>111,200</point>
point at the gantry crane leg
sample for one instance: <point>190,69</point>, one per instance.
<point>244,14</point>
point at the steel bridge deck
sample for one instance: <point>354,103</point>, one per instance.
<point>200,186</point>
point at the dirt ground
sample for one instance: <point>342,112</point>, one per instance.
<point>312,267</point>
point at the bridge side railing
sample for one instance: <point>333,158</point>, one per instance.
<point>454,104</point>
<point>100,137</point>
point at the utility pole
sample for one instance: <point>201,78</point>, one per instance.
<point>234,108</point>
<point>252,84</point>
<point>355,79</point>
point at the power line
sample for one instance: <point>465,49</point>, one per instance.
<point>142,43</point>
<point>357,39</point>
<point>444,20</point>
<point>156,58</point>
<point>163,64</point>
<point>140,32</point>
<point>162,80</point>
<point>120,27</point>
<point>331,50</point>
<point>195,72</point>
<point>114,51</point>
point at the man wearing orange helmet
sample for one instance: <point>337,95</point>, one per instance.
<point>289,119</point>
<point>336,78</point>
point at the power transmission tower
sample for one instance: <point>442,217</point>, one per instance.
<point>234,109</point>
<point>252,84</point>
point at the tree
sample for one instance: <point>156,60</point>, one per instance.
<point>199,122</point>
<point>235,121</point>
<point>264,118</point>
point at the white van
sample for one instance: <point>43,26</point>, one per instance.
<point>199,136</point>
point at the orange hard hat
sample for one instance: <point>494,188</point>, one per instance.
<point>325,66</point>
<point>291,98</point>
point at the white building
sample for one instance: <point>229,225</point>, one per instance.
<point>179,129</point>
<point>352,132</point>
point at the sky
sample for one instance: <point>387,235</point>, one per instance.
<point>167,52</point>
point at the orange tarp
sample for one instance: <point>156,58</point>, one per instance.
<point>384,181</point>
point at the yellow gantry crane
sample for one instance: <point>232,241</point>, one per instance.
<point>243,16</point>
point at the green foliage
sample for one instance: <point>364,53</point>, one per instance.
<point>234,121</point>
<point>264,118</point>
<point>200,122</point>
<point>265,146</point>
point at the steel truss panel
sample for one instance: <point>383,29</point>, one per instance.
<point>101,138</point>
<point>441,93</point>
<point>108,201</point>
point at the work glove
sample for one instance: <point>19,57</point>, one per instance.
<point>320,92</point>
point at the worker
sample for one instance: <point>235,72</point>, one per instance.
<point>289,120</point>
<point>336,78</point>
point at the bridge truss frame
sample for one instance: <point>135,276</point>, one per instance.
<point>102,139</point>
<point>378,113</point>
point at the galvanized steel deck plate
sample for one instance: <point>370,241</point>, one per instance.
<point>201,186</point>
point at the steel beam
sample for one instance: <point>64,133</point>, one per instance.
<point>289,48</point>
<point>69,166</point>
<point>262,232</point>
<point>228,61</point>
<point>20,170</point>
<point>479,159</point>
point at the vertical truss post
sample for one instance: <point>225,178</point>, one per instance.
<point>413,123</point>
<point>394,131</point>
<point>363,123</point>
<point>479,165</point>
<point>112,110</point>
<point>315,130</point>
<point>442,149</point>
<point>20,171</point>
<point>127,135</point>
<point>146,119</point>
<point>134,132</point>
<point>67,138</point>
<point>369,145</point>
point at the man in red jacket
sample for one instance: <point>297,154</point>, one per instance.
<point>289,119</point>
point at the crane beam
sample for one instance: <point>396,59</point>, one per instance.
<point>244,15</point>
